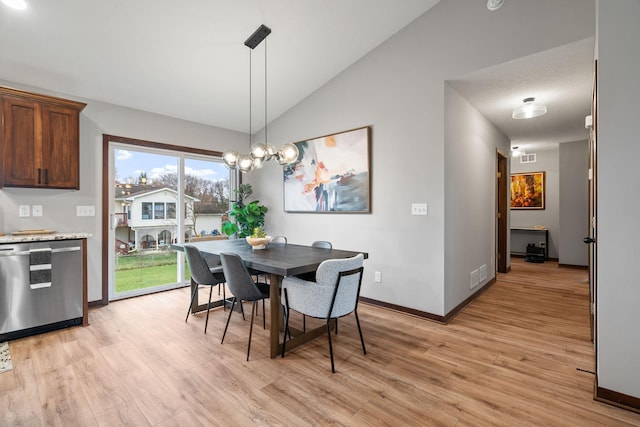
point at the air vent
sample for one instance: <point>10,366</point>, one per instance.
<point>528,158</point>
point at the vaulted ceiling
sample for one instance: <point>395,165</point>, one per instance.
<point>188,59</point>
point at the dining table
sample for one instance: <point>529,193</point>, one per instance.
<point>277,260</point>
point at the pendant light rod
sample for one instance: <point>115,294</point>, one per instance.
<point>260,152</point>
<point>256,38</point>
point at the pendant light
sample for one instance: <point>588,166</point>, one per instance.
<point>259,152</point>
<point>529,109</point>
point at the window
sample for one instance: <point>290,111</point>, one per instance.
<point>147,209</point>
<point>171,211</point>
<point>158,211</point>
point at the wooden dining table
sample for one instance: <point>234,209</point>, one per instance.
<point>278,261</point>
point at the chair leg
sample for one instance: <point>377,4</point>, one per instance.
<point>224,295</point>
<point>304,324</point>
<point>233,303</point>
<point>264,316</point>
<point>286,322</point>
<point>333,369</point>
<point>193,297</point>
<point>364,350</point>
<point>254,308</point>
<point>206,323</point>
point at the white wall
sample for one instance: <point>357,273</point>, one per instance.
<point>399,89</point>
<point>59,206</point>
<point>574,203</point>
<point>471,142</point>
<point>618,286</point>
<point>546,161</point>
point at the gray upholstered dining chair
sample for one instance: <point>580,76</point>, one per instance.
<point>243,288</point>
<point>278,240</point>
<point>322,244</point>
<point>203,275</point>
<point>334,294</point>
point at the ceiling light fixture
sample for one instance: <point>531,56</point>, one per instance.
<point>516,151</point>
<point>494,4</point>
<point>529,109</point>
<point>260,152</point>
<point>16,4</point>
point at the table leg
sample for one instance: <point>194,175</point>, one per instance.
<point>276,318</point>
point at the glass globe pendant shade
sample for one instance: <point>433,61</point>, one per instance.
<point>271,152</point>
<point>529,109</point>
<point>288,154</point>
<point>257,163</point>
<point>230,158</point>
<point>245,162</point>
<point>259,151</point>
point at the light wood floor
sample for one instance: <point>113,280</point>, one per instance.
<point>518,356</point>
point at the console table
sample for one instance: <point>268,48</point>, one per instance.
<point>534,230</point>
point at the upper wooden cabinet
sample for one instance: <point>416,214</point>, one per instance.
<point>39,140</point>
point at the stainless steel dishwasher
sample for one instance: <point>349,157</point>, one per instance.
<point>40,287</point>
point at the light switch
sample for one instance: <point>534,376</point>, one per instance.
<point>86,210</point>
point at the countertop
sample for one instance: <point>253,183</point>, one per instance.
<point>9,238</point>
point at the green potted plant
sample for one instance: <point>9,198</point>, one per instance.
<point>247,216</point>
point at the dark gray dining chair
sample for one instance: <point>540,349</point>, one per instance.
<point>243,288</point>
<point>203,275</point>
<point>334,294</point>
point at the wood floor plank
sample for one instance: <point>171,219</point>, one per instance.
<point>518,355</point>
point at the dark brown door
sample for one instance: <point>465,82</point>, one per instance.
<point>501,212</point>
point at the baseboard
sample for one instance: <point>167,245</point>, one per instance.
<point>406,310</point>
<point>430,316</point>
<point>621,400</point>
<point>577,267</point>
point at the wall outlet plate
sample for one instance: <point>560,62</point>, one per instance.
<point>36,210</point>
<point>419,209</point>
<point>24,210</point>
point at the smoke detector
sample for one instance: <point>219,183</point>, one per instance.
<point>494,4</point>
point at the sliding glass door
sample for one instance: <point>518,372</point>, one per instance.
<point>159,197</point>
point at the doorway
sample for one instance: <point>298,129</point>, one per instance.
<point>502,218</point>
<point>155,195</point>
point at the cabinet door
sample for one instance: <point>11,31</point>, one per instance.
<point>22,142</point>
<point>60,151</point>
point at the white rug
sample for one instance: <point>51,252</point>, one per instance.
<point>5,358</point>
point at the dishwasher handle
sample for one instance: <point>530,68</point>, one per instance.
<point>13,252</point>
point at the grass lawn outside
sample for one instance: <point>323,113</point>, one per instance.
<point>146,270</point>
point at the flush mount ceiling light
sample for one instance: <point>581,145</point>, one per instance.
<point>260,152</point>
<point>494,4</point>
<point>16,4</point>
<point>517,151</point>
<point>529,109</point>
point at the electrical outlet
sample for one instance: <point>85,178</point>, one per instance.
<point>24,210</point>
<point>418,209</point>
<point>378,277</point>
<point>542,244</point>
<point>36,210</point>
